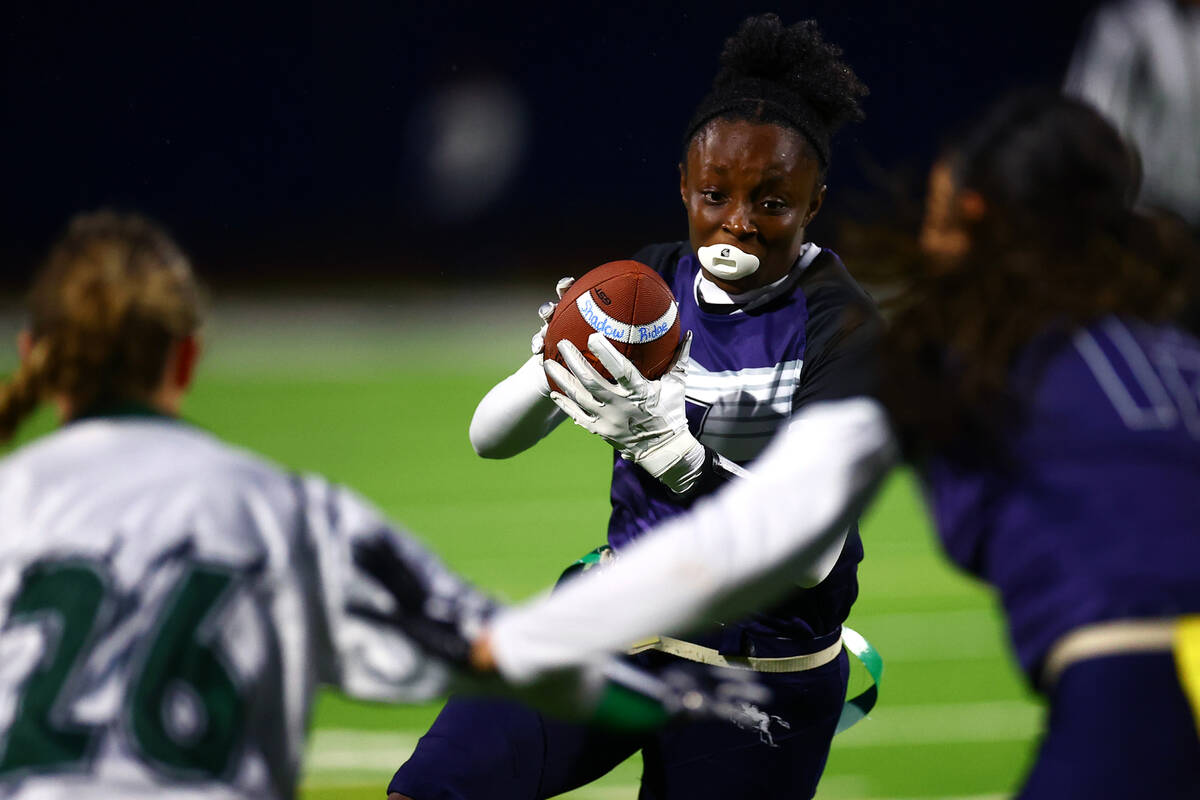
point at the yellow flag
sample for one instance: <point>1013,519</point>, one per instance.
<point>1187,660</point>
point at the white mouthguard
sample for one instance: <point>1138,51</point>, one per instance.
<point>727,262</point>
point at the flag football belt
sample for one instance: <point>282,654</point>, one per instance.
<point>710,656</point>
<point>866,668</point>
<point>1178,635</point>
<point>861,695</point>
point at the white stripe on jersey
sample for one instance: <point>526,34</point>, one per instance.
<point>745,407</point>
<point>102,525</point>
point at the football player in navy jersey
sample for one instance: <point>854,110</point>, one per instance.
<point>1034,376</point>
<point>774,323</point>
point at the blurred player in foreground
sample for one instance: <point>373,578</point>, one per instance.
<point>1035,381</point>
<point>774,323</point>
<point>1138,62</point>
<point>168,603</point>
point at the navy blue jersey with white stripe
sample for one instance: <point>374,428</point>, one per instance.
<point>1092,512</point>
<point>751,368</point>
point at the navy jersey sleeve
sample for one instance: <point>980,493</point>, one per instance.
<point>844,330</point>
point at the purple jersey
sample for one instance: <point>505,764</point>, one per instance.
<point>1095,512</point>
<point>751,368</point>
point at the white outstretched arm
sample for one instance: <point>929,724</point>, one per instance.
<point>516,414</point>
<point>741,547</point>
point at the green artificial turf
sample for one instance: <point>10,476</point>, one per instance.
<point>954,719</point>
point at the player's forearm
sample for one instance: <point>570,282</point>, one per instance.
<point>740,548</point>
<point>515,414</point>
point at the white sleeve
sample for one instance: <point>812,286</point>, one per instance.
<point>358,643</point>
<point>1102,67</point>
<point>733,551</point>
<point>516,414</point>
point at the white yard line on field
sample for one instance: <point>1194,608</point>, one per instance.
<point>339,750</point>
<point>346,749</point>
<point>629,791</point>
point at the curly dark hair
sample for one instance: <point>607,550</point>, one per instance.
<point>1058,247</point>
<point>788,76</point>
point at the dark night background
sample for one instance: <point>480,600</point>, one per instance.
<point>287,142</point>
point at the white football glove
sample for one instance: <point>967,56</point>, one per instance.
<point>645,420</point>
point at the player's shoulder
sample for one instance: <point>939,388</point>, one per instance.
<point>827,276</point>
<point>834,298</point>
<point>662,257</point>
<point>185,483</point>
<point>334,509</point>
<point>156,449</point>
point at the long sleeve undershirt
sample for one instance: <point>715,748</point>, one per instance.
<point>516,414</point>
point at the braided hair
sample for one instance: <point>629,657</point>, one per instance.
<point>787,76</point>
<point>112,296</point>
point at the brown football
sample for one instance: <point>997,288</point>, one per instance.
<point>631,305</point>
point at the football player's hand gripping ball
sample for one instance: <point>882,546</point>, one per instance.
<point>645,420</point>
<point>531,371</point>
<point>545,311</point>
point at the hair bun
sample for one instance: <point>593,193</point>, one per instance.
<point>758,50</point>
<point>798,58</point>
